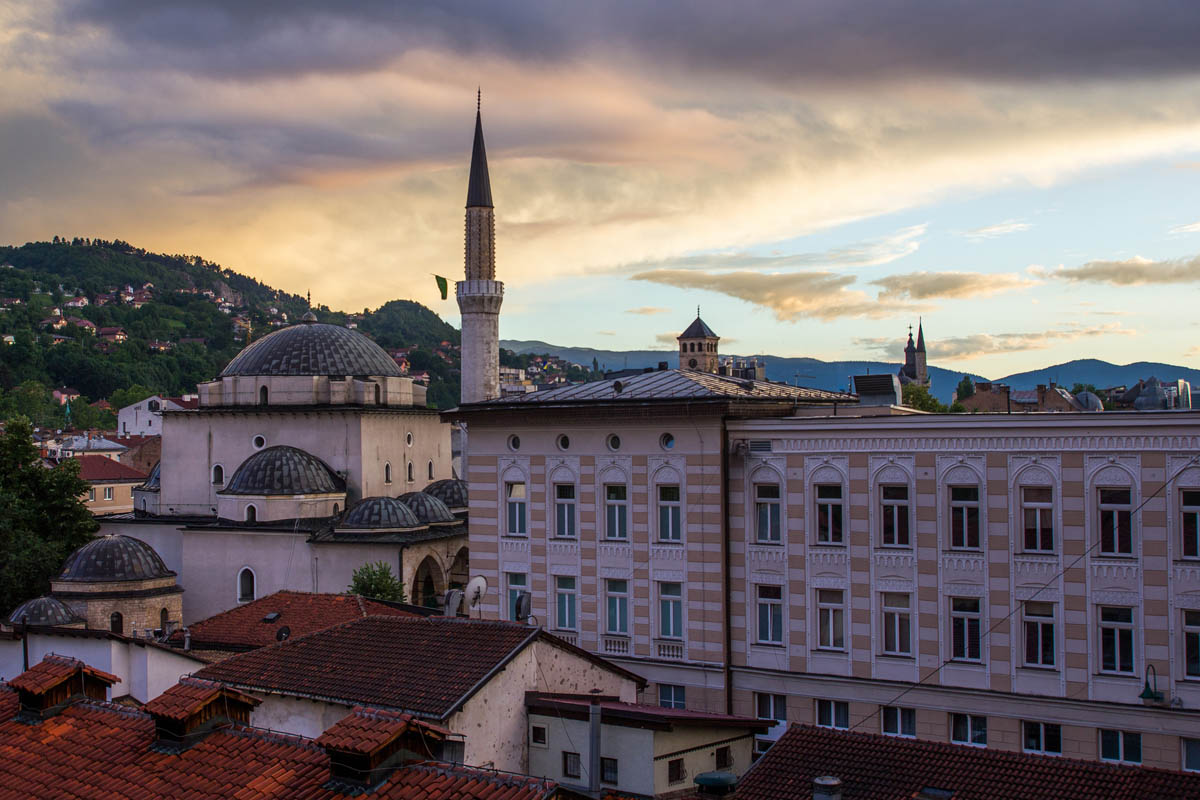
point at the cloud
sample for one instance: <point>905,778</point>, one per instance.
<point>1190,228</point>
<point>1136,271</point>
<point>647,310</point>
<point>930,285</point>
<point>962,348</point>
<point>999,229</point>
<point>606,333</point>
<point>671,338</point>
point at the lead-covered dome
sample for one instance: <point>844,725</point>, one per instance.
<point>375,513</point>
<point>313,348</point>
<point>428,508</point>
<point>45,611</point>
<point>114,558</point>
<point>450,491</point>
<point>284,470</point>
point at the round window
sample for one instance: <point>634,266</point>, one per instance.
<point>514,442</point>
<point>260,442</point>
<point>408,439</point>
<point>613,441</point>
<point>666,441</point>
<point>564,442</point>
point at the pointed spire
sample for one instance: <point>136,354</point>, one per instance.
<point>920,335</point>
<point>479,188</point>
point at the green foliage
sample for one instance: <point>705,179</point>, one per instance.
<point>966,387</point>
<point>127,397</point>
<point>918,397</point>
<point>376,581</point>
<point>42,518</point>
<point>957,408</point>
<point>1079,388</point>
<point>403,323</point>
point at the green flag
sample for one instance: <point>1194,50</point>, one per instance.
<point>443,285</point>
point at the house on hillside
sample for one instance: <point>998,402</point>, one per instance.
<point>114,334</point>
<point>65,394</point>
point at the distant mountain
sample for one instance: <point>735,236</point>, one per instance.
<point>1100,374</point>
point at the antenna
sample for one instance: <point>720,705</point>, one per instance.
<point>524,606</point>
<point>451,602</point>
<point>283,633</point>
<point>475,589</point>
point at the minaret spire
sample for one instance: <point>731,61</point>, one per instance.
<point>479,187</point>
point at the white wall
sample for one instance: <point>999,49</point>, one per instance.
<point>632,747</point>
<point>295,715</point>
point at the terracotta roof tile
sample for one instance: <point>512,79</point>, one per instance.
<point>365,730</point>
<point>189,695</point>
<point>887,768</point>
<point>94,468</point>
<point>52,671</point>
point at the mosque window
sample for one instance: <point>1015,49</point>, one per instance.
<point>262,395</point>
<point>245,585</point>
<point>251,514</point>
<point>387,473</point>
<point>514,442</point>
<point>408,439</point>
<point>260,442</point>
<point>613,441</point>
<point>116,622</point>
<point>378,395</point>
<point>163,618</point>
<point>411,473</point>
<point>431,470</point>
<point>218,477</point>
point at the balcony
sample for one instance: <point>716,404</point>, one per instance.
<point>668,649</point>
<point>570,637</point>
<point>615,645</point>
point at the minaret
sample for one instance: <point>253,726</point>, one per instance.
<point>480,295</point>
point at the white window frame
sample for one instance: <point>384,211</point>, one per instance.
<point>896,638</point>
<point>672,695</point>
<point>1114,514</point>
<point>670,610</point>
<point>566,603</point>
<point>896,511</point>
<point>616,607</point>
<point>1124,638</point>
<point>1043,513</point>
<point>773,707</point>
<point>769,614</point>
<point>1189,542</point>
<point>976,727</point>
<point>516,508</point>
<point>831,620</point>
<point>832,507</point>
<point>1123,739</point>
<point>565,522</point>
<point>832,714</point>
<point>616,513</point>
<point>768,513</point>
<point>108,493</point>
<point>960,514</point>
<point>1189,756</point>
<point>1038,620</point>
<point>898,721</point>
<point>670,514</point>
<point>961,622</point>
<point>1191,644</point>
<point>1042,747</point>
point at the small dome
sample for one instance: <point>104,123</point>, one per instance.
<point>1090,401</point>
<point>46,611</point>
<point>114,558</point>
<point>450,491</point>
<point>284,470</point>
<point>313,348</point>
<point>380,512</point>
<point>153,480</point>
<point>428,508</point>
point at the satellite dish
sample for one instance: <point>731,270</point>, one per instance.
<point>283,633</point>
<point>475,589</point>
<point>451,602</point>
<point>524,606</point>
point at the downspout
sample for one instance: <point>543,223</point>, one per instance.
<point>728,587</point>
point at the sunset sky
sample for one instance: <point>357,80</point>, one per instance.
<point>814,175</point>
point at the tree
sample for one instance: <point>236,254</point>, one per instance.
<point>918,397</point>
<point>42,516</point>
<point>127,397</point>
<point>966,387</point>
<point>376,581</point>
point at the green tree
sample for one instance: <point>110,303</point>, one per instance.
<point>376,581</point>
<point>918,397</point>
<point>127,397</point>
<point>966,387</point>
<point>42,516</point>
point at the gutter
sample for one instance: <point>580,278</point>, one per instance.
<point>728,588</point>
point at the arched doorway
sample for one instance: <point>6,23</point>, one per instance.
<point>459,569</point>
<point>428,584</point>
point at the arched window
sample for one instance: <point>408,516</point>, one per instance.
<point>163,618</point>
<point>116,622</point>
<point>411,473</point>
<point>218,475</point>
<point>336,509</point>
<point>378,395</point>
<point>431,470</point>
<point>262,395</point>
<point>387,473</point>
<point>245,585</point>
<point>683,348</point>
<point>251,514</point>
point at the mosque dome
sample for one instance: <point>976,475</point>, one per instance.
<point>450,491</point>
<point>283,470</point>
<point>114,558</point>
<point>154,480</point>
<point>45,611</point>
<point>1090,401</point>
<point>428,508</point>
<point>380,512</point>
<point>313,348</point>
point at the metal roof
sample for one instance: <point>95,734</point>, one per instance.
<point>283,470</point>
<point>114,558</point>
<point>479,187</point>
<point>698,330</point>
<point>313,348</point>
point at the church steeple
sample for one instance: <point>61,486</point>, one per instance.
<point>920,336</point>
<point>479,187</point>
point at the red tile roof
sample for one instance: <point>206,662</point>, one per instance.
<point>365,730</point>
<point>244,627</point>
<point>99,469</point>
<point>887,768</point>
<point>424,665</point>
<point>186,402</point>
<point>189,695</point>
<point>53,670</point>
<point>101,751</point>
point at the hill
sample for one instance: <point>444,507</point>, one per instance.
<point>1101,374</point>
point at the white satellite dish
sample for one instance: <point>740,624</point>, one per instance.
<point>475,589</point>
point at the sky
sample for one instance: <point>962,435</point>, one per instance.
<point>1024,177</point>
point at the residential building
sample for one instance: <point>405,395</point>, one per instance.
<point>114,334</point>
<point>1000,398</point>
<point>90,443</point>
<point>144,418</point>
<point>65,394</point>
<point>110,484</point>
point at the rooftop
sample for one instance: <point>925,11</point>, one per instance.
<point>283,470</point>
<point>101,469</point>
<point>114,558</point>
<point>313,348</point>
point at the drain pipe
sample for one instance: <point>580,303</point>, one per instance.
<point>594,743</point>
<point>725,557</point>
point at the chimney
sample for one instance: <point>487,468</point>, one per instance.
<point>193,708</point>
<point>827,787</point>
<point>594,743</point>
<point>47,688</point>
<point>365,747</point>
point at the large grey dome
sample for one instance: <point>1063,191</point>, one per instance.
<point>46,611</point>
<point>450,491</point>
<point>284,470</point>
<point>313,348</point>
<point>428,508</point>
<point>374,513</point>
<point>114,558</point>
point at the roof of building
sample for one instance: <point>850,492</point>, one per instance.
<point>102,469</point>
<point>379,513</point>
<point>451,491</point>
<point>674,385</point>
<point>388,662</point>
<point>698,330</point>
<point>189,695</point>
<point>186,402</point>
<point>427,508</point>
<point>613,711</point>
<point>53,670</point>
<point>95,443</point>
<point>257,624</point>
<point>1090,401</point>
<point>284,470</point>
<point>44,611</point>
<point>890,768</point>
<point>154,480</point>
<point>479,185</point>
<point>312,348</point>
<point>114,557</point>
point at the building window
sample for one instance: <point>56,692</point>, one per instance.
<point>1116,523</point>
<point>613,442</point>
<point>894,507</point>
<point>608,770</point>
<point>537,735</point>
<point>766,509</point>
<point>564,603</point>
<point>164,618</point>
<point>1039,634</point>
<point>514,442</point>
<point>616,512</point>
<point>899,721</point>
<point>617,597</point>
<point>91,495</point>
<point>218,475</point>
<point>1116,639</point>
<point>774,707</point>
<point>1124,746</point>
<point>378,395</point>
<point>1037,510</point>
<point>964,517</point>
<point>829,514</point>
<point>770,614</point>
<point>251,514</point>
<point>724,758</point>
<point>1191,643</point>
<point>262,395</point>
<point>670,610</point>
<point>260,442</point>
<point>387,473</point>
<point>666,441</point>
<point>108,493</point>
<point>1191,755</point>
<point>116,622</point>
<point>1041,737</point>
<point>411,476</point>
<point>897,624</point>
<point>517,584</point>
<point>429,470</point>
<point>672,696</point>
<point>514,494</point>
<point>833,714</point>
<point>675,771</point>
<point>668,514</point>
<point>571,764</point>
<point>831,619</point>
<point>968,729</point>
<point>1190,508</point>
<point>563,442</point>
<point>245,584</point>
<point>964,628</point>
<point>564,510</point>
